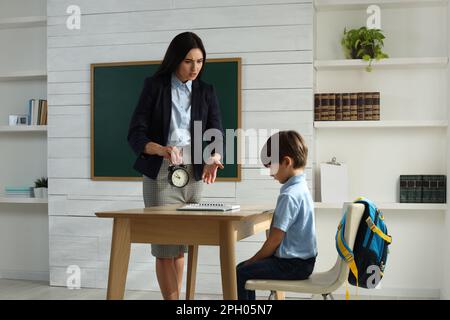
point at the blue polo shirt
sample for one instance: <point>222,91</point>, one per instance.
<point>294,214</point>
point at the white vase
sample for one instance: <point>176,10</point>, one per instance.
<point>45,193</point>
<point>38,192</point>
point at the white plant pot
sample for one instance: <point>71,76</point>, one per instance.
<point>39,192</point>
<point>45,193</point>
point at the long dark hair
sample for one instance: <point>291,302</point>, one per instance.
<point>177,51</point>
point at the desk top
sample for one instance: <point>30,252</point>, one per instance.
<point>169,211</point>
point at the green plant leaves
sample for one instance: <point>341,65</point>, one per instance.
<point>363,44</point>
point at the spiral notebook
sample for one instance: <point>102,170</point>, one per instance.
<point>209,207</point>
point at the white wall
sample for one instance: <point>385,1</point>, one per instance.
<point>23,156</point>
<point>274,39</point>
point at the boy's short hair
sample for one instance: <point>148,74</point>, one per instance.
<point>290,143</point>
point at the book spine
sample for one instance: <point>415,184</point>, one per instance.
<point>426,193</point>
<point>38,122</point>
<point>442,189</point>
<point>419,189</point>
<point>376,106</point>
<point>317,107</point>
<point>411,189</point>
<point>360,106</point>
<point>338,104</point>
<point>46,112</point>
<point>353,106</point>
<point>403,189</point>
<point>332,107</point>
<point>367,106</point>
<point>346,107</point>
<point>324,101</point>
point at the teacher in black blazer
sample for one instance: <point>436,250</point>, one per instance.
<point>161,133</point>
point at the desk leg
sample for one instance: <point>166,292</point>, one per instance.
<point>228,260</point>
<point>120,256</point>
<point>191,272</point>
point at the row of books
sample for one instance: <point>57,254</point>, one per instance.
<point>37,112</point>
<point>347,106</point>
<point>423,189</point>
<point>19,192</point>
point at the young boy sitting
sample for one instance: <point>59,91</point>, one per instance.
<point>290,251</point>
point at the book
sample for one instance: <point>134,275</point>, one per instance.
<point>346,107</point>
<point>367,106</point>
<point>317,107</point>
<point>324,102</point>
<point>353,106</point>
<point>360,106</point>
<point>331,107</point>
<point>338,105</point>
<point>403,189</point>
<point>375,106</point>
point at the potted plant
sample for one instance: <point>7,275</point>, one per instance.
<point>40,188</point>
<point>363,43</point>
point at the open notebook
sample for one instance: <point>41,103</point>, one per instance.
<point>209,207</point>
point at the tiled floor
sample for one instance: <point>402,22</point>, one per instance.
<point>38,290</point>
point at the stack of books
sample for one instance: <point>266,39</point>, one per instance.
<point>18,192</point>
<point>37,112</point>
<point>356,106</point>
<point>423,189</point>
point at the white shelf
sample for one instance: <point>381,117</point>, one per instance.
<point>327,5</point>
<point>346,64</point>
<point>23,22</point>
<point>23,128</point>
<point>390,206</point>
<point>24,75</point>
<point>379,124</point>
<point>18,200</point>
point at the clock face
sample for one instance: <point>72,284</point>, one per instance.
<point>180,177</point>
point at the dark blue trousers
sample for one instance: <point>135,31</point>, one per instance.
<point>272,268</point>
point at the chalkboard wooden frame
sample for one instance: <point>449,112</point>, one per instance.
<point>93,66</point>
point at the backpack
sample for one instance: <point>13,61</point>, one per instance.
<point>367,261</point>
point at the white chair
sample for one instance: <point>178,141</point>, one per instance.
<point>324,283</point>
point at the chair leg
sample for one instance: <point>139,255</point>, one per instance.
<point>276,295</point>
<point>331,296</point>
<point>325,296</point>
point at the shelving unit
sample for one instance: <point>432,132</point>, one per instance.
<point>12,200</point>
<point>23,128</point>
<point>28,75</point>
<point>23,22</point>
<point>360,4</point>
<point>425,62</point>
<point>412,84</point>
<point>379,124</point>
<point>20,82</point>
<point>390,206</point>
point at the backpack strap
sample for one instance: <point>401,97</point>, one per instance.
<point>344,251</point>
<point>377,230</point>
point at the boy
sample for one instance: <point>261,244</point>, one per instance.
<point>290,251</point>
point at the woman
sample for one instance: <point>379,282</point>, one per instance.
<point>161,134</point>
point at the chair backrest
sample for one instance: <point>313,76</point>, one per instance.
<point>354,212</point>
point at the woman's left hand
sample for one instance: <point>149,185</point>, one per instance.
<point>210,170</point>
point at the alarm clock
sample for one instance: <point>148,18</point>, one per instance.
<point>178,175</point>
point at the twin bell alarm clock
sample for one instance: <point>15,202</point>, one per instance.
<point>178,175</point>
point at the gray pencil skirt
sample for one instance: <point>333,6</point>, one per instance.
<point>159,192</point>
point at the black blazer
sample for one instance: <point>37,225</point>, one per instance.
<point>151,121</point>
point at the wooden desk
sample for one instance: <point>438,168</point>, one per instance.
<point>165,225</point>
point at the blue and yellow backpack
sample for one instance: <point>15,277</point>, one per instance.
<point>367,261</point>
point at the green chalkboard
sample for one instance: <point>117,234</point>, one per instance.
<point>115,90</point>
